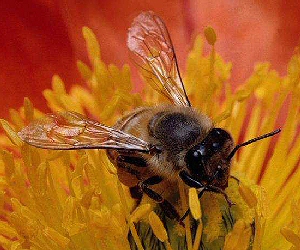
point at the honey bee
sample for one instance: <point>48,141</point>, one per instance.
<point>150,145</point>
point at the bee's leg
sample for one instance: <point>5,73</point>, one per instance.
<point>187,212</point>
<point>143,186</point>
<point>219,191</point>
<point>136,192</point>
<point>133,160</point>
<point>124,162</point>
<point>233,177</point>
<point>165,205</point>
<point>188,180</point>
<point>130,170</point>
<point>155,179</point>
<point>170,211</point>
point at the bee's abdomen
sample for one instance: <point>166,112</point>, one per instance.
<point>174,130</point>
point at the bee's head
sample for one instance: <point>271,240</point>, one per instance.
<point>208,161</point>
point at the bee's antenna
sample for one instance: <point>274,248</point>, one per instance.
<point>251,141</point>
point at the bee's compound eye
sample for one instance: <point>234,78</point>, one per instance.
<point>217,131</point>
<point>194,159</point>
<point>218,135</point>
<point>216,139</point>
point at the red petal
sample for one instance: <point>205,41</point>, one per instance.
<point>43,37</point>
<point>250,32</point>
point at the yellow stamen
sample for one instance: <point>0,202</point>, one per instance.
<point>84,70</point>
<point>126,211</point>
<point>92,44</point>
<point>248,195</point>
<point>158,227</point>
<point>12,135</point>
<point>28,109</point>
<point>291,237</point>
<point>187,222</point>
<point>140,212</point>
<point>61,240</point>
<point>194,204</point>
<point>239,237</point>
<point>198,236</point>
<point>210,35</point>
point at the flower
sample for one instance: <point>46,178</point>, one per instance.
<point>42,38</point>
<point>67,200</point>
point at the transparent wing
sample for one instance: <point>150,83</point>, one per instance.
<point>151,45</point>
<point>70,130</point>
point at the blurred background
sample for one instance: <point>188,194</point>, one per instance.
<point>40,38</point>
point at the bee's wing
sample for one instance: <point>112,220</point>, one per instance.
<point>150,43</point>
<point>70,130</point>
